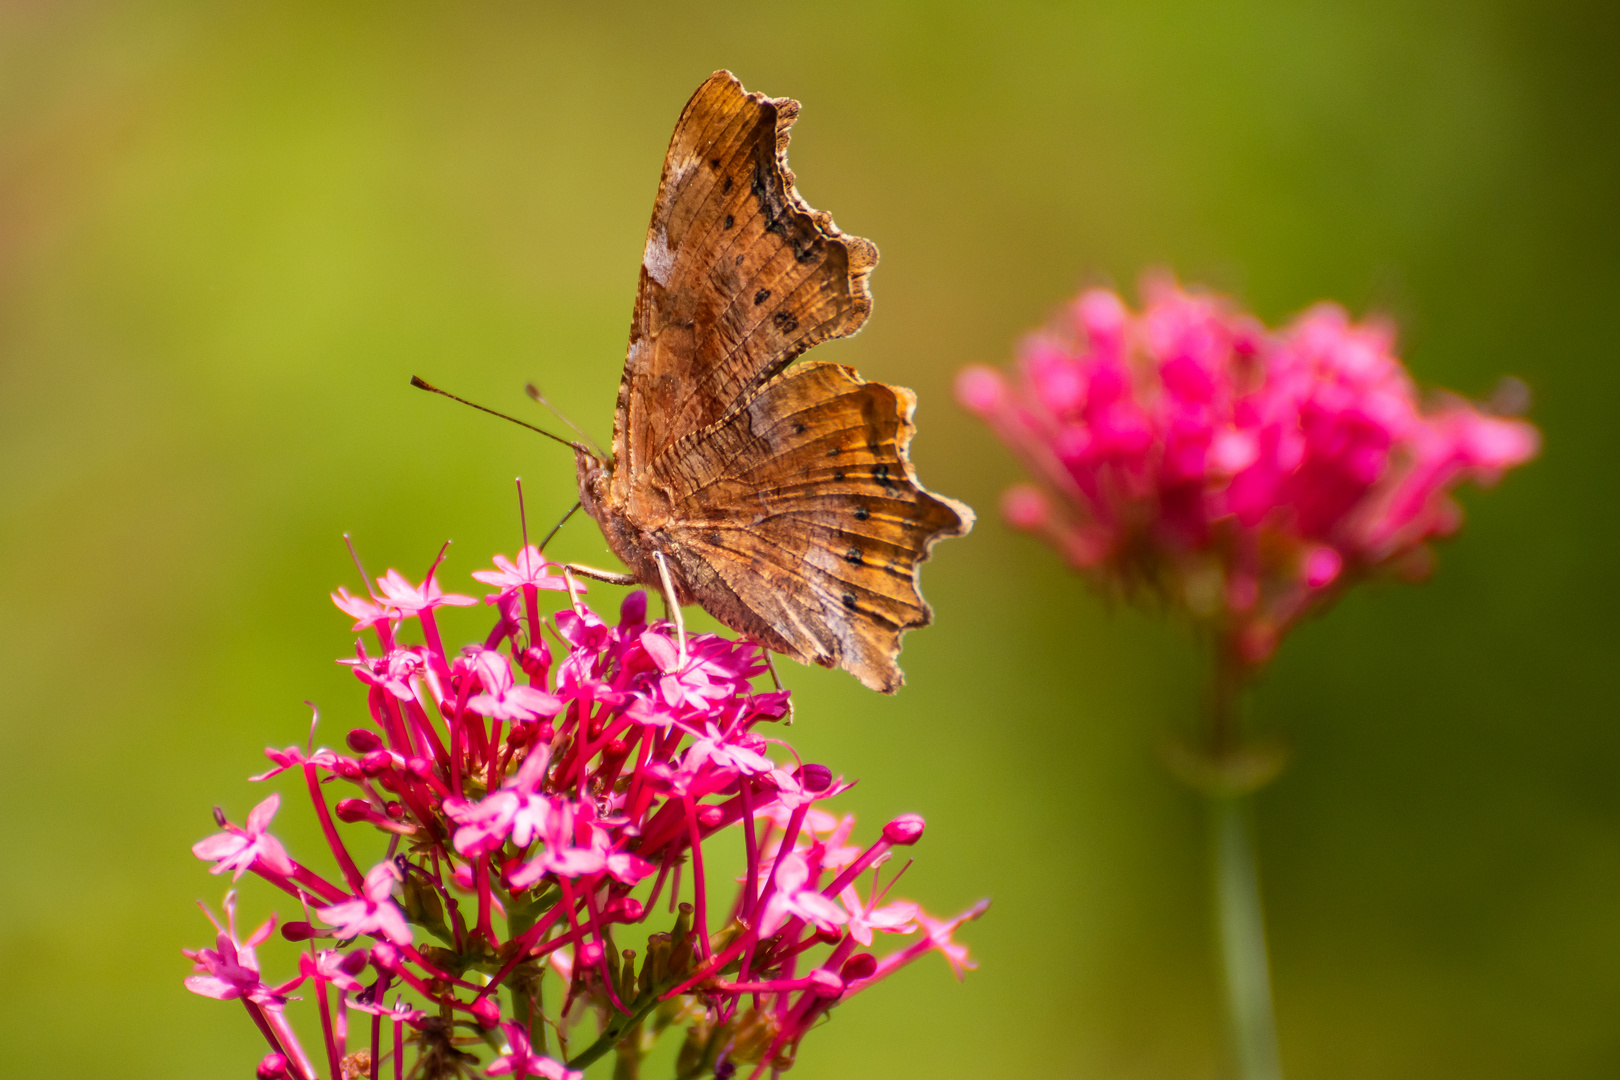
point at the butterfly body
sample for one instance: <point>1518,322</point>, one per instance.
<point>780,495</point>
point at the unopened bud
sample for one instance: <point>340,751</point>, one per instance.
<point>980,389</point>
<point>535,660</point>
<point>1025,507</point>
<point>824,983</point>
<point>904,830</point>
<point>385,956</point>
<point>858,967</point>
<point>814,777</point>
<point>273,1067</point>
<point>626,909</point>
<point>376,763</point>
<point>363,740</point>
<point>297,931</point>
<point>486,1012</point>
<point>710,815</point>
<point>353,810</point>
<point>219,817</point>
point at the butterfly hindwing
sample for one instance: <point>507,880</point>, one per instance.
<point>800,512</point>
<point>739,276</point>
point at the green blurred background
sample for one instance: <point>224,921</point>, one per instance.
<point>230,232</point>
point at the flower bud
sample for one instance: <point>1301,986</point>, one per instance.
<point>353,810</point>
<point>486,1012</point>
<point>633,612</point>
<point>709,815</point>
<point>363,740</point>
<point>858,967</point>
<point>298,931</point>
<point>1322,567</point>
<point>385,957</point>
<point>626,909</point>
<point>904,830</point>
<point>1025,507</point>
<point>376,763</point>
<point>814,777</point>
<point>980,390</point>
<point>824,983</point>
<point>420,767</point>
<point>273,1067</point>
<point>590,954</point>
<point>535,660</point>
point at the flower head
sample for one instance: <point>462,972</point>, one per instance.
<point>530,809</point>
<point>1245,474</point>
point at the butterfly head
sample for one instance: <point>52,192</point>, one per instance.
<point>594,475</point>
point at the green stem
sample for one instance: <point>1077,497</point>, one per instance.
<point>1243,939</point>
<point>1239,919</point>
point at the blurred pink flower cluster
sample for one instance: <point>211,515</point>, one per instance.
<point>1244,473</point>
<point>540,811</point>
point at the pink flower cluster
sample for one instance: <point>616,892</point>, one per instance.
<point>1244,473</point>
<point>540,804</point>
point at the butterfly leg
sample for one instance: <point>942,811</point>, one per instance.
<point>601,575</point>
<point>673,606</point>
<point>776,680</point>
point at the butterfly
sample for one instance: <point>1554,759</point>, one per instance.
<point>778,496</point>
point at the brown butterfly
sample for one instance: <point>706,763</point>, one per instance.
<point>779,498</point>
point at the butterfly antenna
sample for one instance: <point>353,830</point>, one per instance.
<point>422,384</point>
<point>534,392</point>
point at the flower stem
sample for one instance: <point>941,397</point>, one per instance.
<point>1242,931</point>
<point>1239,920</point>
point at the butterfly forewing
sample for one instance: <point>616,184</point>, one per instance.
<point>739,275</point>
<point>781,498</point>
